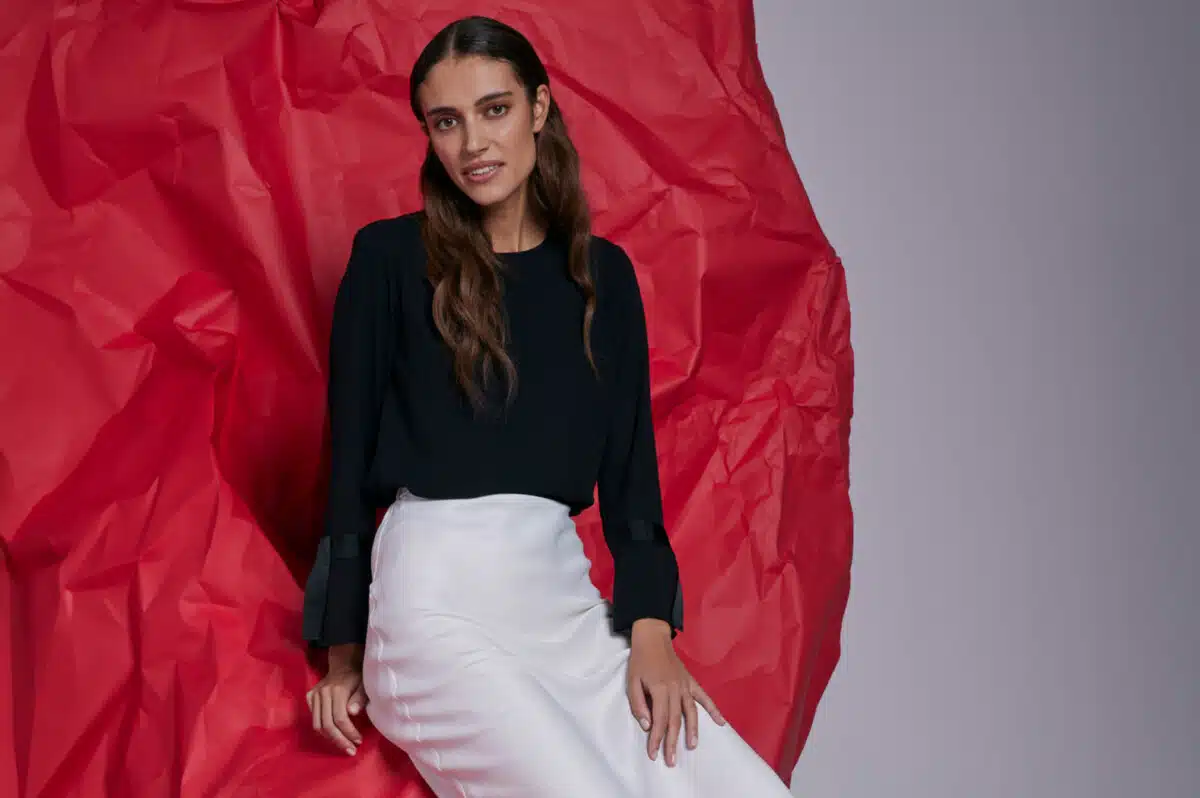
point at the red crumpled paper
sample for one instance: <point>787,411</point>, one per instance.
<point>180,184</point>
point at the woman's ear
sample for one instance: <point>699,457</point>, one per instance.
<point>541,107</point>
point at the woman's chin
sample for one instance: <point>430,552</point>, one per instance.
<point>488,195</point>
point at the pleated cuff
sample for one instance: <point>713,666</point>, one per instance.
<point>646,580</point>
<point>335,595</point>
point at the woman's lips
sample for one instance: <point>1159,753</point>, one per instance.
<point>491,172</point>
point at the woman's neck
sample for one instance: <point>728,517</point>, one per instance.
<point>513,230</point>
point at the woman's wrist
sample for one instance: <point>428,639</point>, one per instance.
<point>652,628</point>
<point>346,655</point>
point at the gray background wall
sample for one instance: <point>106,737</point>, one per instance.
<point>1013,188</point>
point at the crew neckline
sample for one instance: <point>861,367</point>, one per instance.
<point>534,250</point>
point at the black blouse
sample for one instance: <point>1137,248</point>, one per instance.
<point>398,418</point>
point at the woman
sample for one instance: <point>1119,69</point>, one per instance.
<point>489,370</point>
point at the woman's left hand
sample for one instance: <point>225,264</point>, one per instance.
<point>655,671</point>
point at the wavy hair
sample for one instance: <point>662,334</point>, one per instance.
<point>463,269</point>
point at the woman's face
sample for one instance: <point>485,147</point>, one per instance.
<point>476,115</point>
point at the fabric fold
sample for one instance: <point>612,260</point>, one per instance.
<point>646,580</point>
<point>317,616</point>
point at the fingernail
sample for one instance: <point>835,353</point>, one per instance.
<point>692,742</point>
<point>654,754</point>
<point>645,724</point>
<point>351,750</point>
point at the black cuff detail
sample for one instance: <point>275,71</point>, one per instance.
<point>646,579</point>
<point>335,595</point>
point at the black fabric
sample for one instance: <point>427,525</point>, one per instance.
<point>398,418</point>
<point>646,583</point>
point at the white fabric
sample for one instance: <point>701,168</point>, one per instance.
<point>491,662</point>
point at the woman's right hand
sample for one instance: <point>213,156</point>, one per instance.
<point>338,696</point>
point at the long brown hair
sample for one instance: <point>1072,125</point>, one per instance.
<point>462,267</point>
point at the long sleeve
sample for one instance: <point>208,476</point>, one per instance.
<point>646,581</point>
<point>361,351</point>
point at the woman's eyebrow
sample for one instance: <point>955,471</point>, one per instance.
<point>487,98</point>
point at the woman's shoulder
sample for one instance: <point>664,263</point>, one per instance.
<point>608,253</point>
<point>392,247</point>
<point>616,275</point>
<point>403,231</point>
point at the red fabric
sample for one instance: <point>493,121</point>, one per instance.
<point>179,189</point>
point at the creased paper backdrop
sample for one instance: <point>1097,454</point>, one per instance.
<point>179,186</point>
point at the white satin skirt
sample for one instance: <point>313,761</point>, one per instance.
<point>491,662</point>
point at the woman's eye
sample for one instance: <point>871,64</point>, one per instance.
<point>440,124</point>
